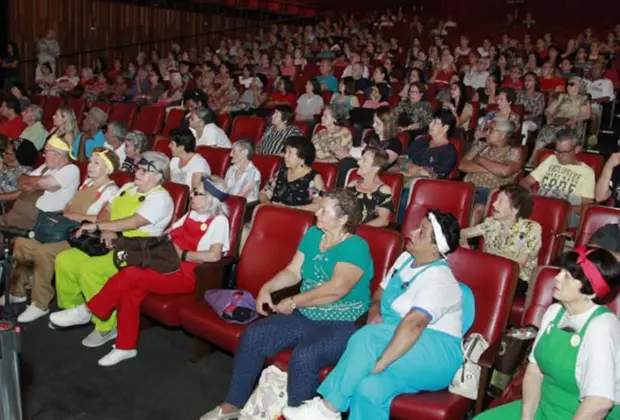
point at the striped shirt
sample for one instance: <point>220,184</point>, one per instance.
<point>272,142</point>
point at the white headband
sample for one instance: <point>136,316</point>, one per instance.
<point>440,238</point>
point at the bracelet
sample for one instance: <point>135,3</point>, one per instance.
<point>184,255</point>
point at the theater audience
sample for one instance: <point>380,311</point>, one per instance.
<point>85,206</point>
<point>242,177</point>
<point>35,132</point>
<point>574,366</point>
<point>508,232</point>
<point>140,209</point>
<point>412,340</point>
<point>333,267</point>
<point>135,144</point>
<point>201,235</point>
<point>185,161</point>
<point>281,128</point>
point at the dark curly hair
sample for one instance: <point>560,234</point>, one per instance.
<point>303,147</point>
<point>603,260</point>
<point>450,228</point>
<point>348,205</point>
<point>520,199</point>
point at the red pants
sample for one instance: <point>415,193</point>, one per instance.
<point>125,291</point>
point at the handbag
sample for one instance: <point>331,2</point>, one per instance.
<point>53,227</point>
<point>157,253</point>
<point>515,346</point>
<point>269,397</point>
<point>467,377</point>
<point>89,243</point>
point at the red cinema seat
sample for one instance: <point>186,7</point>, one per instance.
<point>180,198</point>
<point>162,145</point>
<point>304,127</point>
<point>104,106</point>
<point>150,120</point>
<point>446,196</point>
<point>39,100</point>
<point>166,308</point>
<point>83,167</point>
<point>79,106</point>
<point>329,173</point>
<point>493,289</point>
<point>217,157</point>
<point>385,246</point>
<point>52,103</point>
<point>593,219</point>
<point>245,127</point>
<point>173,120</point>
<point>121,178</point>
<point>268,166</point>
<point>223,121</point>
<point>123,112</point>
<point>460,152</point>
<point>594,161</point>
<point>269,248</point>
<point>393,180</point>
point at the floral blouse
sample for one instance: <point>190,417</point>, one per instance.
<point>414,113</point>
<point>533,106</point>
<point>299,192</point>
<point>325,142</point>
<point>371,201</point>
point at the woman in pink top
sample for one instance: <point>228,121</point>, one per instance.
<point>378,96</point>
<point>288,69</point>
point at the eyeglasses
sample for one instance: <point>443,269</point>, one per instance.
<point>141,169</point>
<point>564,152</point>
<point>572,84</point>
<point>197,193</point>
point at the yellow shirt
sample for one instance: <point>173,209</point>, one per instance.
<point>564,181</point>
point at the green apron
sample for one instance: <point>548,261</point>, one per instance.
<point>556,354</point>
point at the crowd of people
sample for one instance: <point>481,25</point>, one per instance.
<point>343,93</point>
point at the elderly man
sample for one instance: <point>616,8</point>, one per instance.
<point>35,131</point>
<point>92,134</point>
<point>562,176</point>
<point>491,164</point>
<point>115,139</point>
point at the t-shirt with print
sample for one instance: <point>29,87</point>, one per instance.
<point>504,155</point>
<point>197,164</point>
<point>568,182</point>
<point>318,268</point>
<point>523,236</point>
<point>157,208</point>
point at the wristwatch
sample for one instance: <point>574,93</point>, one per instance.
<point>293,304</point>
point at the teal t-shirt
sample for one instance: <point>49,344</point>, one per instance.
<point>318,268</point>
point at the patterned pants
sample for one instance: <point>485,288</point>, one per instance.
<point>315,344</point>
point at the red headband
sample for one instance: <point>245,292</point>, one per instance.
<point>599,285</point>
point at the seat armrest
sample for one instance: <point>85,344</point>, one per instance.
<point>210,275</point>
<point>486,362</point>
<point>487,359</point>
<point>249,211</point>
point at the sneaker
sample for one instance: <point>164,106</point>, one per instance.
<point>117,356</point>
<point>69,317</point>
<point>32,313</point>
<point>216,414</point>
<point>310,410</point>
<point>98,338</point>
<point>13,299</point>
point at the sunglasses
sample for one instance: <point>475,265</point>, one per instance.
<point>140,169</point>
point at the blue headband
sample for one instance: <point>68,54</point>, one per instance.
<point>213,190</point>
<point>150,165</point>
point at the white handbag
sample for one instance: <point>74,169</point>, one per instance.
<point>467,378</point>
<point>269,397</point>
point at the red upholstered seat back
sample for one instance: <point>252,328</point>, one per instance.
<point>163,146</point>
<point>273,241</point>
<point>121,178</point>
<point>104,106</point>
<point>268,166</point>
<point>393,180</point>
<point>493,288</point>
<point>236,211</point>
<point>150,120</point>
<point>83,167</point>
<point>223,121</point>
<point>174,120</point>
<point>246,127</point>
<point>329,173</point>
<point>304,127</point>
<point>446,196</point>
<point>594,218</point>
<point>217,157</point>
<point>79,106</point>
<point>49,109</point>
<point>594,161</point>
<point>385,246</point>
<point>123,112</point>
<point>180,198</point>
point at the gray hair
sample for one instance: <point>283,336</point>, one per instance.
<point>567,134</point>
<point>118,129</point>
<point>138,139</point>
<point>339,113</point>
<point>246,145</point>
<point>215,207</point>
<point>160,162</point>
<point>37,112</point>
<point>505,126</point>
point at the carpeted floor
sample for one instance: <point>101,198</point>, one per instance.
<point>62,380</point>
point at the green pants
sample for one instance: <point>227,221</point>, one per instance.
<point>80,277</point>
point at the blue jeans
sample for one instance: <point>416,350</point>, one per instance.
<point>315,344</point>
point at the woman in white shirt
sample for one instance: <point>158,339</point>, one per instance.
<point>202,235</point>
<point>87,203</point>
<point>185,161</point>
<point>574,369</point>
<point>412,340</point>
<point>202,122</point>
<point>243,178</point>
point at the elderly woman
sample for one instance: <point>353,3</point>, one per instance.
<point>203,123</point>
<point>141,208</point>
<point>374,196</point>
<point>135,144</point>
<point>334,138</point>
<point>334,267</point>
<point>296,184</point>
<point>414,113</point>
<point>281,128</point>
<point>18,158</point>
<point>506,97</point>
<point>509,233</point>
<point>412,341</point>
<point>243,178</point>
<point>574,368</point>
<point>185,161</point>
<point>85,206</point>
<point>569,110</point>
<point>202,235</point>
